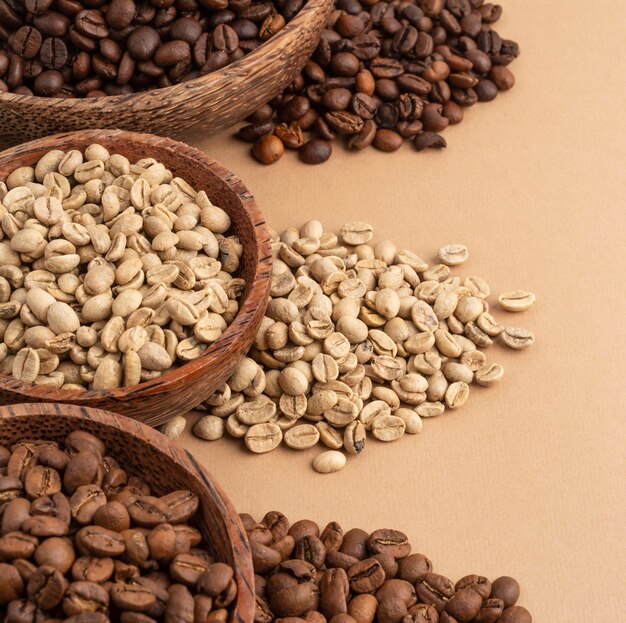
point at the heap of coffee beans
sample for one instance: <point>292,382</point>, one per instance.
<point>82,541</point>
<point>384,72</point>
<point>71,48</point>
<point>111,272</point>
<point>308,575</point>
<point>359,338</point>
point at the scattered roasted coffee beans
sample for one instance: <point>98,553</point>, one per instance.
<point>66,48</point>
<point>389,71</point>
<point>82,540</point>
<point>111,272</point>
<point>359,339</point>
<point>313,575</point>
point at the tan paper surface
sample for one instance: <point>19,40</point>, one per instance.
<point>528,478</point>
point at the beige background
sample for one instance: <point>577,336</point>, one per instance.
<point>528,478</point>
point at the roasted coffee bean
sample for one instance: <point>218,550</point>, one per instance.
<point>429,140</point>
<point>315,151</point>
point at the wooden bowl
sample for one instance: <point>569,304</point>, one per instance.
<point>182,389</point>
<point>164,466</point>
<point>204,106</point>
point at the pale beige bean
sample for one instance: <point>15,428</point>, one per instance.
<point>210,428</point>
<point>61,318</point>
<point>26,365</point>
<point>354,437</point>
<point>262,438</point>
<point>412,421</point>
<point>329,461</point>
<point>456,395</point>
<point>516,338</point>
<point>257,411</point>
<point>302,436</point>
<point>453,254</point>
<point>517,300</point>
<point>388,427</point>
<point>174,428</point>
<point>108,375</point>
<point>154,357</point>
<point>430,409</point>
<point>489,375</point>
<point>329,435</point>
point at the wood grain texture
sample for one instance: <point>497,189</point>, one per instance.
<point>206,105</point>
<point>145,453</point>
<point>178,391</point>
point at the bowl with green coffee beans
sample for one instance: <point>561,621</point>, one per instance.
<point>134,273</point>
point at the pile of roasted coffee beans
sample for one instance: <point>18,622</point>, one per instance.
<point>73,48</point>
<point>82,541</point>
<point>111,272</point>
<point>308,575</point>
<point>385,72</point>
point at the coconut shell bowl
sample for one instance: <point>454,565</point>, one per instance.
<point>200,107</point>
<point>145,453</point>
<point>181,389</point>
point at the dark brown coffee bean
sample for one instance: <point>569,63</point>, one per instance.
<point>292,137</point>
<point>366,576</point>
<point>344,64</point>
<point>216,60</point>
<point>138,596</point>
<point>344,122</point>
<point>149,511</point>
<point>337,99</point>
<point>387,89</point>
<point>515,614</point>
<point>143,43</point>
<point>225,39</point>
<point>99,541</point>
<point>84,468</point>
<point>391,542</point>
<point>85,597</point>
<point>92,569</point>
<point>387,115</point>
<point>26,42</point>
<point>464,605</point>
<point>268,149</point>
<point>56,552</point>
<point>311,548</point>
<point>386,68</point>
<point>391,610</point>
<point>254,131</point>
<point>434,590</point>
<point>433,119</point>
<point>92,24</point>
<point>264,558</point>
<point>187,569</point>
<point>186,29</point>
<point>334,588</point>
<point>429,140</point>
<point>363,105</point>
<point>502,78</point>
<point>408,129</point>
<point>295,108</point>
<point>171,53</point>
<point>365,137</point>
<point>11,584</point>
<point>46,587</point>
<point>490,611</point>
<point>54,55</point>
<point>17,545</point>
<point>507,589</point>
<point>414,567</point>
<point>37,7</point>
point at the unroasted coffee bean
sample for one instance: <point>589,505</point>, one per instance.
<point>158,290</point>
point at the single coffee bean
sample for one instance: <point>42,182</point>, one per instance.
<point>268,149</point>
<point>315,152</point>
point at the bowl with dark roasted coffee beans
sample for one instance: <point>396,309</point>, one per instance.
<point>162,67</point>
<point>103,519</point>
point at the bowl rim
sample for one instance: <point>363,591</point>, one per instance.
<point>262,269</point>
<point>242,555</point>
<point>244,64</point>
